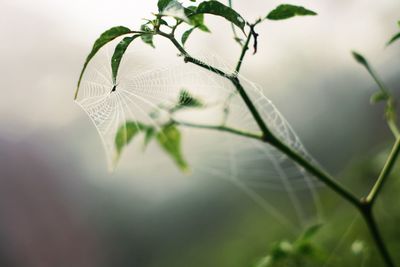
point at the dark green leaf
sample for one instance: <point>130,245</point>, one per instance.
<point>169,139</point>
<point>162,4</point>
<point>286,11</point>
<point>281,250</point>
<point>394,39</point>
<point>147,38</point>
<point>378,96</point>
<point>219,9</point>
<point>186,35</point>
<point>118,54</point>
<point>360,59</point>
<point>104,38</point>
<point>148,135</point>
<point>126,133</point>
<point>187,100</point>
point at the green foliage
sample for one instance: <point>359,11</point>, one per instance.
<point>360,59</point>
<point>218,9</point>
<point>118,54</point>
<point>104,38</point>
<point>147,38</point>
<point>148,136</point>
<point>196,19</point>
<point>379,96</point>
<point>176,10</point>
<point>186,100</point>
<point>286,11</point>
<point>162,4</point>
<point>126,133</point>
<point>169,139</point>
<point>186,34</point>
<point>394,39</point>
<point>301,252</point>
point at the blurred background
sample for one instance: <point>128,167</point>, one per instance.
<point>59,204</point>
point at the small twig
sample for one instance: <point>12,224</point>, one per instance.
<point>221,128</point>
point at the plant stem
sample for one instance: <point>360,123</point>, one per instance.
<point>220,128</point>
<point>384,173</point>
<point>364,206</point>
<point>368,216</point>
<point>244,50</point>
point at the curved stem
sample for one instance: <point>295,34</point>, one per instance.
<point>267,136</point>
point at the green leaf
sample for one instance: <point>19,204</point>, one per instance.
<point>186,35</point>
<point>360,59</point>
<point>378,96</point>
<point>169,138</point>
<point>118,54</point>
<point>197,20</point>
<point>219,9</point>
<point>310,232</point>
<point>148,136</point>
<point>394,39</point>
<point>147,38</point>
<point>286,11</point>
<point>104,38</point>
<point>162,4</point>
<point>126,133</point>
<point>176,10</point>
<point>187,100</point>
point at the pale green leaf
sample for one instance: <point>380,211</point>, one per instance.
<point>169,138</point>
<point>126,133</point>
<point>147,38</point>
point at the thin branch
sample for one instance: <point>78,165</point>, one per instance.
<point>267,135</point>
<point>376,235</point>
<point>220,128</point>
<point>384,173</point>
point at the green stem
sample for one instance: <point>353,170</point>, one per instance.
<point>220,128</point>
<point>267,136</point>
<point>244,50</point>
<point>368,216</point>
<point>384,173</point>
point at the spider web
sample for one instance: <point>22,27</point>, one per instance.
<point>256,168</point>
